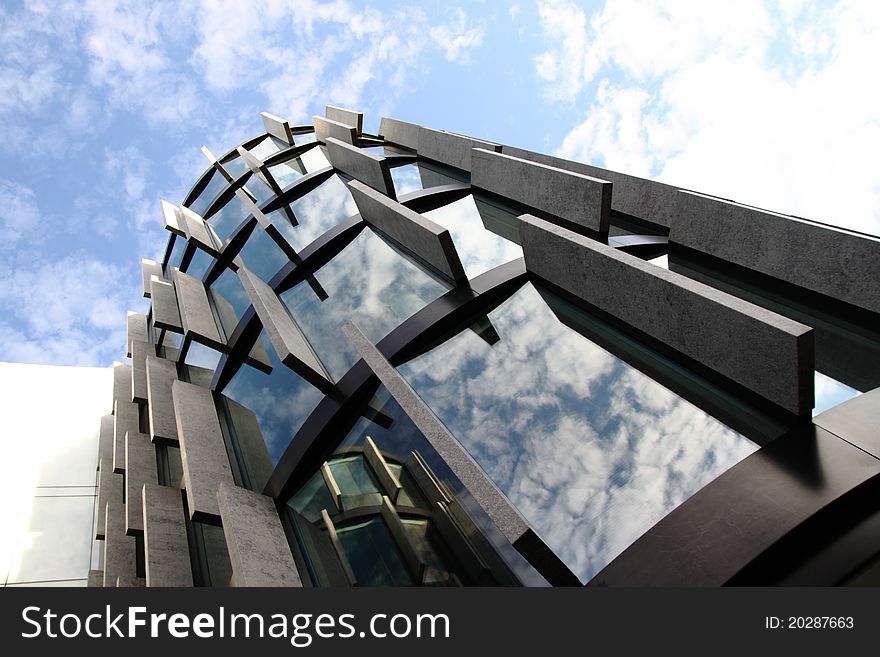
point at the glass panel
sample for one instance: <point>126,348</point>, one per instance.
<point>262,255</point>
<point>177,250</point>
<point>367,282</point>
<point>354,479</point>
<point>306,138</point>
<point>260,190</point>
<point>314,159</point>
<point>235,167</point>
<point>269,146</point>
<point>287,172</point>
<point>830,393</point>
<point>479,249</point>
<point>373,555</point>
<point>282,223</point>
<point>413,177</point>
<point>281,400</point>
<point>589,449</point>
<point>230,299</point>
<point>198,355</point>
<point>661,261</point>
<point>216,184</point>
<point>313,498</point>
<point>227,219</point>
<point>200,263</point>
<point>320,210</point>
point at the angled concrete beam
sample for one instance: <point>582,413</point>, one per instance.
<point>173,220</point>
<point>361,165</point>
<point>639,197</point>
<point>140,469</point>
<point>166,549</point>
<point>136,329</point>
<point>574,197</point>
<point>195,311</point>
<point>198,232</point>
<point>149,268</point>
<point>161,374</point>
<point>387,479</point>
<point>832,261</point>
<point>450,148</point>
<point>482,488</point>
<point>202,450</point>
<point>346,116</point>
<point>258,548</point>
<point>328,128</point>
<point>139,352</point>
<point>288,340</point>
<point>400,132</point>
<point>277,127</point>
<point>423,237</point>
<point>216,164</point>
<point>166,314</point>
<point>258,168</point>
<point>766,353</point>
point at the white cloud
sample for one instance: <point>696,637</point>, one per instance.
<point>457,38</point>
<point>18,212</point>
<point>768,104</point>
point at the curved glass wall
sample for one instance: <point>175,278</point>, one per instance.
<point>216,184</point>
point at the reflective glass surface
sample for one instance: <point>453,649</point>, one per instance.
<point>287,172</point>
<point>479,249</point>
<point>199,264</point>
<point>235,167</point>
<point>215,185</point>
<point>321,209</point>
<point>227,219</point>
<point>314,159</point>
<point>262,255</point>
<point>589,449</point>
<point>372,553</point>
<point>269,146</point>
<point>367,282</point>
<point>281,400</point>
<point>413,177</point>
<point>259,190</point>
<point>230,299</point>
<point>830,392</point>
<point>198,355</point>
<point>306,138</point>
<point>177,250</point>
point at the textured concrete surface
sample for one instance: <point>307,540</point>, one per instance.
<point>126,418</point>
<point>166,314</point>
<point>161,374</point>
<point>258,548</point>
<point>346,116</point>
<point>361,165</point>
<point>759,349</point>
<point>400,132</point>
<point>119,549</point>
<point>195,311</point>
<point>202,450</point>
<point>166,549</point>
<point>831,261</point>
<point>580,199</point>
<point>380,468</point>
<point>121,382</point>
<point>481,487</point>
<point>96,579</point>
<point>277,127</point>
<point>251,444</point>
<point>328,128</point>
<point>173,220</point>
<point>140,469</point>
<point>449,148</point>
<point>109,487</point>
<point>288,340</point>
<point>149,268</point>
<point>197,231</point>
<point>425,238</point>
<point>105,439</point>
<point>130,582</point>
<point>139,352</point>
<point>136,329</point>
<point>856,421</point>
<point>639,197</point>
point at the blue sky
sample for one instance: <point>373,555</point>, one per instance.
<point>104,106</point>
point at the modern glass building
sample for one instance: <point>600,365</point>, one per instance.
<point>418,358</point>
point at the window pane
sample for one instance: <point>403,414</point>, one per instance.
<point>373,555</point>
<point>320,210</point>
<point>216,184</point>
<point>230,299</point>
<point>413,177</point>
<point>227,219</point>
<point>200,263</point>
<point>262,255</point>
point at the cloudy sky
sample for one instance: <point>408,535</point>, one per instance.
<point>104,106</point>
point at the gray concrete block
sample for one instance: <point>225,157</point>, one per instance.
<point>109,487</point>
<point>400,132</point>
<point>166,549</point>
<point>96,579</point>
<point>130,582</point>
<point>346,116</point>
<point>202,450</point>
<point>328,128</point>
<point>361,165</point>
<point>166,314</point>
<point>139,352</point>
<point>173,220</point>
<point>258,548</point>
<point>450,148</point>
<point>136,329</point>
<point>767,353</point>
<point>251,445</point>
<point>105,439</point>
<point>161,374</point>
<point>121,383</point>
<point>195,311</point>
<point>119,550</point>
<point>423,237</point>
<point>496,505</point>
<point>639,197</point>
<point>832,261</point>
<point>574,197</point>
<point>125,418</point>
<point>286,337</point>
<point>277,127</point>
<point>198,232</point>
<point>149,268</point>
<point>140,469</point>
